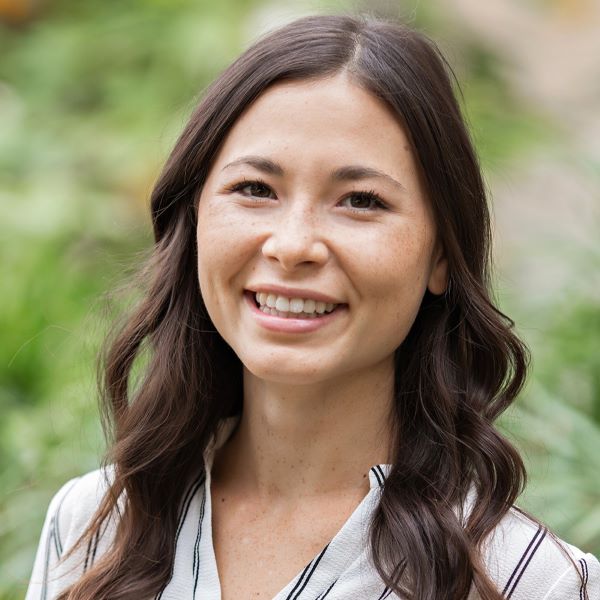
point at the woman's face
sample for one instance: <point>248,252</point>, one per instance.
<point>313,202</point>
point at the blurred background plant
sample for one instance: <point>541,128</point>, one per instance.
<point>92,96</point>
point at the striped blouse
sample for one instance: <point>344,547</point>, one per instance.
<point>521,557</point>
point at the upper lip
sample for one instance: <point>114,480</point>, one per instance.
<point>290,292</point>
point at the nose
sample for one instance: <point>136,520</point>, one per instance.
<point>295,240</point>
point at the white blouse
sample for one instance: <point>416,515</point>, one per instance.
<point>521,557</point>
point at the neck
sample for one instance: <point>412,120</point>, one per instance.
<point>298,441</point>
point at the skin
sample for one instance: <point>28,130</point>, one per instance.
<point>316,405</point>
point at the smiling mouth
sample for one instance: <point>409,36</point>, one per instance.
<point>292,308</point>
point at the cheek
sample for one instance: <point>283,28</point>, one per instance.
<point>212,237</point>
<point>215,226</point>
<point>217,236</point>
<point>227,244</point>
<point>393,283</point>
<point>399,263</point>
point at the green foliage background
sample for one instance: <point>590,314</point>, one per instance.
<point>92,95</point>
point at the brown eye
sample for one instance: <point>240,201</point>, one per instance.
<point>363,201</point>
<point>253,188</point>
<point>360,201</point>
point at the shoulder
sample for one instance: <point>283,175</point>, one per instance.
<point>68,516</point>
<point>76,501</point>
<point>528,562</point>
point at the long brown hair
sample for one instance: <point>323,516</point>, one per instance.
<point>458,369</point>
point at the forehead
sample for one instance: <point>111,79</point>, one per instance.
<point>323,121</point>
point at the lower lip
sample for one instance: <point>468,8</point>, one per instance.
<point>289,324</point>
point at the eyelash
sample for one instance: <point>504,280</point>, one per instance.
<point>238,187</point>
<point>378,203</point>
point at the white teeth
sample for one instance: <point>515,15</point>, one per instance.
<point>297,305</point>
<point>282,306</point>
<point>309,306</point>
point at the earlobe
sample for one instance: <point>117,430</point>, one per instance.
<point>438,278</point>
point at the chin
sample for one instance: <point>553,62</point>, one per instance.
<point>301,375</point>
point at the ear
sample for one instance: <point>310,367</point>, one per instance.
<point>438,277</point>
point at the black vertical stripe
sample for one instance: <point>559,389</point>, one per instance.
<point>378,467</point>
<point>196,564</point>
<point>310,574</point>
<point>53,539</point>
<point>376,473</point>
<point>92,547</point>
<point>523,556</point>
<point>185,506</point>
<point>87,555</point>
<point>187,502</point>
<point>386,592</point>
<point>96,539</point>
<point>59,543</point>
<point>531,555</point>
<point>584,571</point>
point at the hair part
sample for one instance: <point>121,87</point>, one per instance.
<point>459,368</point>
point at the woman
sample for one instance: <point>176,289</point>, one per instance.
<point>323,363</point>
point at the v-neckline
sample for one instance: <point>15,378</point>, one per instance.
<point>348,545</point>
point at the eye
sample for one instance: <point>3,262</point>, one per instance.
<point>254,188</point>
<point>363,202</point>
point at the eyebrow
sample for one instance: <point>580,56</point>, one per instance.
<point>345,173</point>
<point>258,162</point>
